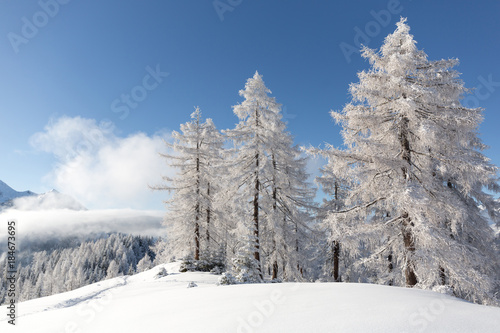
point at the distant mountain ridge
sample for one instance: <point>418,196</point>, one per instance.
<point>28,200</point>
<point>8,193</point>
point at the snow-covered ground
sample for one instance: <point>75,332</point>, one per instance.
<point>143,303</point>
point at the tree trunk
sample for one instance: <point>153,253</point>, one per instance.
<point>256,254</point>
<point>209,212</point>
<point>390,268</point>
<point>405,147</point>
<point>409,242</point>
<point>275,206</point>
<point>336,252</point>
<point>297,247</point>
<point>275,270</point>
<point>197,235</point>
<point>197,210</point>
<point>256,221</point>
<point>336,244</point>
<point>442,276</point>
<point>408,238</point>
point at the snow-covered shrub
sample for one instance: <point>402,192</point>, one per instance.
<point>447,290</point>
<point>190,265</point>
<point>216,270</point>
<point>226,279</point>
<point>207,266</point>
<point>161,273</point>
<point>246,269</point>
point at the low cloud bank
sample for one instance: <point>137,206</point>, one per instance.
<point>59,223</point>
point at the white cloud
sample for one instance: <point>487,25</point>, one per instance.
<point>47,201</point>
<point>101,169</point>
<point>47,224</point>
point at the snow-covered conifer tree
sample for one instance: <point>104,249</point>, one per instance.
<point>293,204</point>
<point>191,217</point>
<point>419,174</point>
<point>144,264</point>
<point>113,270</point>
<point>212,148</point>
<point>336,188</point>
<point>270,194</point>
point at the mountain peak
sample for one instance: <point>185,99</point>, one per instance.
<point>28,200</point>
<point>8,193</point>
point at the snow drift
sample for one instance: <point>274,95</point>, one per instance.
<point>154,303</point>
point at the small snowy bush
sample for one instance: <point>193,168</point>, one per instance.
<point>216,270</point>
<point>248,276</point>
<point>161,273</point>
<point>447,290</point>
<point>226,279</point>
<point>246,268</point>
<point>212,265</point>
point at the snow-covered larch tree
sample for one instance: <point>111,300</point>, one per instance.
<point>191,216</point>
<point>112,270</point>
<point>413,152</point>
<point>144,264</point>
<point>291,225</point>
<point>336,189</point>
<point>270,194</point>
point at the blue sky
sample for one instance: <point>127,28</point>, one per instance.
<point>66,66</point>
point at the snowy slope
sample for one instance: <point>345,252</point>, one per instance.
<point>143,303</point>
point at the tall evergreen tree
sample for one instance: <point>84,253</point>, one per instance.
<point>413,152</point>
<point>270,195</point>
<point>190,217</point>
<point>336,189</point>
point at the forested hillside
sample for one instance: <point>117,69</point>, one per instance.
<point>51,267</point>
